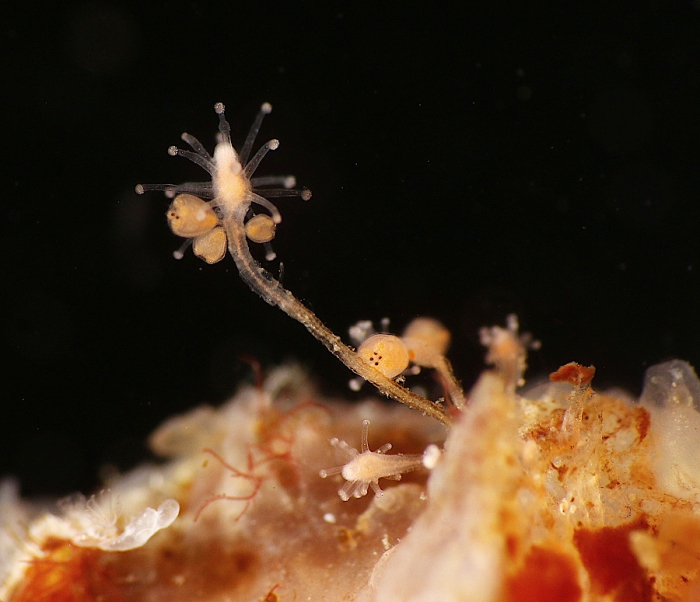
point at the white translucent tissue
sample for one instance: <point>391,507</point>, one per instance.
<point>98,522</point>
<point>672,397</point>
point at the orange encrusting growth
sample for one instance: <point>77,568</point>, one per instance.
<point>545,575</point>
<point>67,573</point>
<point>611,565</point>
<point>202,570</point>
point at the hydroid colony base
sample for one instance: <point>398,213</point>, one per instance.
<point>553,493</point>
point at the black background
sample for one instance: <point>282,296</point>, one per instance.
<point>537,158</point>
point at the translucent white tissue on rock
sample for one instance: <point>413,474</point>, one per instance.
<point>672,383</point>
<point>13,514</point>
<point>98,523</point>
<point>671,394</point>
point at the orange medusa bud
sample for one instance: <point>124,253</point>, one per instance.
<point>386,353</point>
<point>260,228</point>
<point>211,247</point>
<point>426,340</point>
<point>189,216</point>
